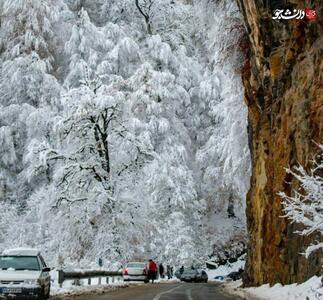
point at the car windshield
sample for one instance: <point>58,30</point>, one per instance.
<point>136,265</point>
<point>19,263</point>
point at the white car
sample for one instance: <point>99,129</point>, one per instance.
<point>24,275</point>
<point>135,271</point>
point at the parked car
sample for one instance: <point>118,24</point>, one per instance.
<point>135,271</point>
<point>194,275</point>
<point>235,275</point>
<point>24,275</point>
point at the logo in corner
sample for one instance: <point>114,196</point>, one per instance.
<point>310,11</point>
<point>287,14</point>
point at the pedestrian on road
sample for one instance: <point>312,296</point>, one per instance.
<point>152,270</point>
<point>161,270</point>
<point>181,270</point>
<point>169,272</point>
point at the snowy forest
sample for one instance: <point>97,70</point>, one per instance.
<point>123,132</point>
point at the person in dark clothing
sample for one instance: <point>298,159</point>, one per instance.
<point>181,270</point>
<point>152,270</point>
<point>169,272</point>
<point>161,270</point>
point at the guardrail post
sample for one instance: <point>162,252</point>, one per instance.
<point>112,279</point>
<point>99,280</point>
<point>77,282</point>
<point>89,281</point>
<point>60,278</point>
<point>107,280</point>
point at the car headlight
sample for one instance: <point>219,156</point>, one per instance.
<point>31,282</point>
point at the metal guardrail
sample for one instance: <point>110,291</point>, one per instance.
<point>77,275</point>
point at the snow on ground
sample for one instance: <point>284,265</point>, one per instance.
<point>309,290</point>
<point>166,280</point>
<point>68,288</point>
<point>312,289</point>
<point>224,270</point>
<point>61,293</point>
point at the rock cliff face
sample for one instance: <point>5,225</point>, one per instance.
<point>284,94</point>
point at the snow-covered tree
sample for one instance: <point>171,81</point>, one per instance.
<point>27,56</point>
<point>84,48</point>
<point>8,214</point>
<point>158,102</point>
<point>219,122</point>
<point>122,144</point>
<point>305,206</point>
<point>170,19</point>
<point>145,8</point>
<point>25,82</point>
<point>95,151</point>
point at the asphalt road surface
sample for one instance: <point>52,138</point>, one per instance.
<point>174,291</point>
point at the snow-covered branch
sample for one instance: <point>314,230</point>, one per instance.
<point>305,206</point>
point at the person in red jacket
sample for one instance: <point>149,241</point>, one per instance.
<point>152,270</point>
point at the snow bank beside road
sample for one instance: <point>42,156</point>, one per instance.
<point>67,292</point>
<point>309,290</point>
<point>68,289</point>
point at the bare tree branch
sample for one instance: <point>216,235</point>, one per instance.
<point>146,15</point>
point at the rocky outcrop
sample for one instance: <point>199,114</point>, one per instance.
<point>284,94</point>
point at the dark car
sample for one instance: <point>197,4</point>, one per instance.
<point>235,275</point>
<point>194,275</point>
